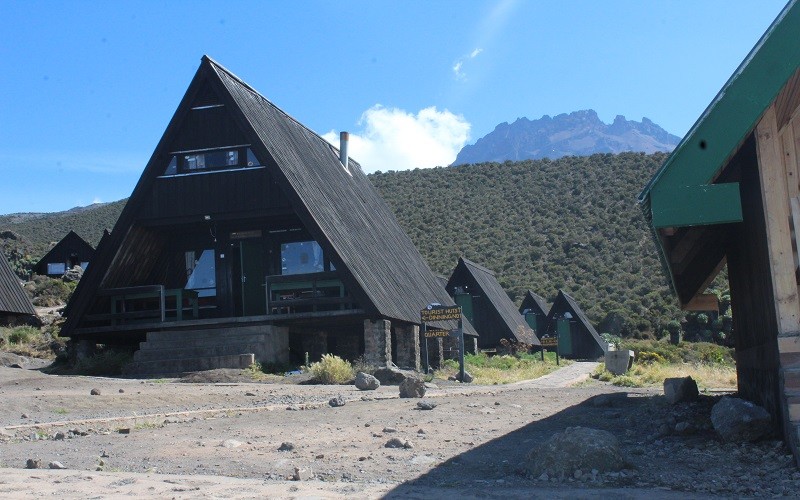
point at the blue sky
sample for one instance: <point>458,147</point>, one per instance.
<point>89,87</point>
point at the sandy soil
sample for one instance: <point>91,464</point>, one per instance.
<point>178,440</point>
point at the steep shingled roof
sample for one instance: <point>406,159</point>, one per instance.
<point>563,302</point>
<point>535,303</point>
<point>487,282</point>
<point>12,297</point>
<point>337,205</point>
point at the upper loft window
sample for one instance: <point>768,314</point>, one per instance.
<point>187,162</point>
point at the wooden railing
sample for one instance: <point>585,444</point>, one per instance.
<point>305,293</point>
<point>148,302</point>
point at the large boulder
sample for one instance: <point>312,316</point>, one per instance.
<point>412,387</point>
<point>392,376</point>
<point>619,362</point>
<point>577,448</point>
<point>73,274</point>
<point>737,420</point>
<point>366,382</point>
<point>680,389</point>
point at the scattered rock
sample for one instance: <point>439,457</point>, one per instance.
<point>392,375</point>
<point>231,443</point>
<point>33,463</point>
<point>680,389</point>
<point>124,430</point>
<point>122,391</point>
<point>336,402</point>
<point>426,405</point>
<point>286,446</point>
<point>575,448</point>
<point>394,443</point>
<point>737,420</point>
<point>408,445</point>
<point>468,378</point>
<point>171,420</point>
<point>412,387</point>
<point>619,362</point>
<point>59,436</point>
<point>302,474</point>
<point>389,430</point>
<point>24,415</point>
<point>56,465</point>
<point>95,392</point>
<point>366,382</point>
<point>421,431</point>
<point>73,274</point>
<point>249,394</point>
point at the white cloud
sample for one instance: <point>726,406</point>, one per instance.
<point>394,139</point>
<point>458,66</point>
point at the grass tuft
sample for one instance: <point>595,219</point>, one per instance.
<point>332,370</point>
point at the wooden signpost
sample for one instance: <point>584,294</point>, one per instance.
<point>436,313</point>
<point>550,342</point>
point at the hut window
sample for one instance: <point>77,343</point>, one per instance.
<point>56,268</point>
<point>301,257</point>
<point>201,272</point>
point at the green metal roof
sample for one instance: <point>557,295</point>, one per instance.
<point>680,193</point>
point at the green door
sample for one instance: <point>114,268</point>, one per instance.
<point>254,294</point>
<point>465,301</point>
<point>564,337</point>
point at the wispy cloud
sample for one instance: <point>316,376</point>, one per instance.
<point>458,66</point>
<point>394,139</point>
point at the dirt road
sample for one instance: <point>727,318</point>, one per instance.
<point>166,439</point>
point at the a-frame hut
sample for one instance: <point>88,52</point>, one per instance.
<point>729,193</point>
<point>487,306</point>
<point>535,309</point>
<point>248,233</point>
<point>71,251</point>
<point>15,306</point>
<point>577,338</point>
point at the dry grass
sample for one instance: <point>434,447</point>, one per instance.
<point>707,376</point>
<point>501,369</point>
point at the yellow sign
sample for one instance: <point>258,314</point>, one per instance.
<point>440,314</point>
<point>549,341</point>
<point>435,332</point>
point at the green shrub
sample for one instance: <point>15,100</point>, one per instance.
<point>650,357</point>
<point>22,334</point>
<point>106,362</point>
<point>332,370</point>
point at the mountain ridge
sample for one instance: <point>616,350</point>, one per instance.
<point>580,133</point>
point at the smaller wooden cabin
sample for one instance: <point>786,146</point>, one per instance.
<point>534,309</point>
<point>487,306</point>
<point>577,338</point>
<point>15,306</point>
<point>71,251</point>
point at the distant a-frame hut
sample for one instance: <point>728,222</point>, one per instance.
<point>71,251</point>
<point>15,306</point>
<point>577,338</point>
<point>729,194</point>
<point>249,236</point>
<point>487,306</point>
<point>535,309</point>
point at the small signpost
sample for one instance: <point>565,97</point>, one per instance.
<point>550,342</point>
<point>435,313</point>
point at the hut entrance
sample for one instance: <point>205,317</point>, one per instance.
<point>564,330</point>
<point>252,293</point>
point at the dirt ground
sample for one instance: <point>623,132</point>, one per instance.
<point>161,438</point>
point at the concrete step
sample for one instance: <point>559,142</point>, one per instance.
<point>189,352</point>
<point>179,341</point>
<point>174,367</point>
<point>208,333</point>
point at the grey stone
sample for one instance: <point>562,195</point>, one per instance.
<point>366,382</point>
<point>59,436</point>
<point>737,420</point>
<point>389,430</point>
<point>73,274</point>
<point>679,390</point>
<point>336,402</point>
<point>394,443</point>
<point>302,474</point>
<point>575,448</point>
<point>95,392</point>
<point>231,443</point>
<point>468,378</point>
<point>392,376</point>
<point>56,465</point>
<point>412,387</point>
<point>426,405</point>
<point>286,446</point>
<point>122,391</point>
<point>619,362</point>
<point>33,463</point>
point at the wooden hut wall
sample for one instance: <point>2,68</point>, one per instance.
<point>584,345</point>
<point>752,300</point>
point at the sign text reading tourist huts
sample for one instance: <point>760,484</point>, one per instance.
<point>440,313</point>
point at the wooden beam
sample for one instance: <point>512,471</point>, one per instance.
<point>775,198</point>
<point>703,302</point>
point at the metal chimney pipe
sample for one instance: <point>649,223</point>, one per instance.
<point>344,137</point>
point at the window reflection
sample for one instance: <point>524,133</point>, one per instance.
<point>301,257</point>
<point>201,272</point>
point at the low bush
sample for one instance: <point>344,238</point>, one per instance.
<point>106,362</point>
<point>21,334</point>
<point>332,370</point>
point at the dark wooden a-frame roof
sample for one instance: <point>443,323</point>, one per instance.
<point>564,303</point>
<point>13,299</point>
<point>534,303</point>
<point>514,323</point>
<point>71,241</point>
<point>376,260</point>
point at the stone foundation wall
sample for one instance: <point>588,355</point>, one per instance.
<point>378,342</point>
<point>408,355</point>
